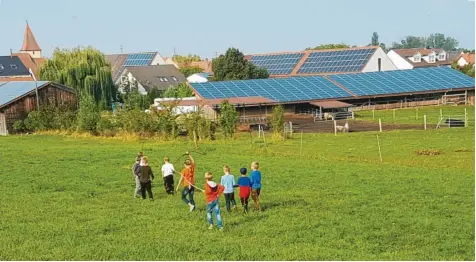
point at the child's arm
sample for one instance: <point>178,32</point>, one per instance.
<point>190,157</point>
<point>179,182</point>
<point>151,173</point>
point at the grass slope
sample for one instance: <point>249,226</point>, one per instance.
<point>71,199</point>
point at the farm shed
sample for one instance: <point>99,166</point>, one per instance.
<point>17,99</point>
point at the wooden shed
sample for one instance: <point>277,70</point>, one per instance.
<point>17,99</point>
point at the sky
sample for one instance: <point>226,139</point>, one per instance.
<point>209,26</point>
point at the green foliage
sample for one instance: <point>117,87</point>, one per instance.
<point>277,121</point>
<point>107,124</point>
<point>184,61</point>
<point>180,91</point>
<point>84,69</point>
<point>195,123</point>
<point>19,126</point>
<point>137,101</point>
<point>51,118</point>
<point>234,66</point>
<point>467,69</point>
<point>374,41</point>
<point>328,46</point>
<point>228,119</point>
<point>137,121</point>
<point>190,70</point>
<point>88,114</point>
<point>436,40</point>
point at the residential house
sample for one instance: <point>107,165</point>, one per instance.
<point>119,62</point>
<point>170,61</point>
<point>17,99</point>
<point>12,69</point>
<point>323,62</point>
<point>205,65</point>
<point>419,57</point>
<point>145,78</point>
<point>465,59</point>
<point>198,78</point>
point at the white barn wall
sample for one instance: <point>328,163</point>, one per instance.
<point>398,61</point>
<point>158,60</point>
<point>372,65</point>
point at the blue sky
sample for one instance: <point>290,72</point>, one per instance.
<point>209,26</point>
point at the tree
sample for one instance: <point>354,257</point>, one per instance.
<point>374,41</point>
<point>88,113</point>
<point>180,91</point>
<point>234,66</point>
<point>277,121</point>
<point>190,70</point>
<point>410,42</point>
<point>329,46</point>
<point>440,41</point>
<point>185,61</point>
<point>228,118</point>
<point>467,69</point>
<point>85,70</point>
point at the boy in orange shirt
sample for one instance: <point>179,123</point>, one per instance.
<point>212,192</point>
<point>188,177</point>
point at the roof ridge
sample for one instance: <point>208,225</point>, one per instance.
<point>339,85</point>
<point>316,51</point>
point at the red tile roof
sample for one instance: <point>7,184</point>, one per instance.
<point>29,41</point>
<point>469,57</point>
<point>205,65</point>
<point>412,51</point>
<point>331,104</point>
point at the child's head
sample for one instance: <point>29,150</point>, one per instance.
<point>145,160</point>
<point>226,169</point>
<point>243,171</point>
<point>138,160</point>
<point>166,159</point>
<point>255,165</point>
<point>187,163</point>
<point>208,176</point>
<point>140,154</point>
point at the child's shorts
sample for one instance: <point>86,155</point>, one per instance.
<point>255,191</point>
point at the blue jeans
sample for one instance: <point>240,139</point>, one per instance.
<point>188,192</point>
<point>214,206</point>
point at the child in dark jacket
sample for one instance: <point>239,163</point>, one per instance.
<point>212,192</point>
<point>145,177</point>
<point>244,183</point>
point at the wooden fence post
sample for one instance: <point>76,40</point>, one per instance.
<point>335,127</point>
<point>380,124</point>
<point>300,152</point>
<point>373,114</point>
<point>465,117</point>
<point>393,115</point>
<point>441,113</point>
<point>417,114</point>
<point>424,120</point>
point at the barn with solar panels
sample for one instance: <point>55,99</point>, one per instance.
<point>331,93</point>
<point>322,62</point>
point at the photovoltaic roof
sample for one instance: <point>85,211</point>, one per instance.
<point>11,90</point>
<point>306,88</point>
<point>282,64</point>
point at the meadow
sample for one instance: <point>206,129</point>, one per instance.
<point>67,198</point>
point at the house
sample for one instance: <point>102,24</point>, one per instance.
<point>16,66</point>
<point>465,59</point>
<point>145,78</point>
<point>205,65</point>
<point>17,99</point>
<point>118,62</point>
<point>198,78</point>
<point>419,57</point>
<point>323,62</point>
<point>170,61</point>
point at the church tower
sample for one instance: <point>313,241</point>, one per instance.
<point>30,46</point>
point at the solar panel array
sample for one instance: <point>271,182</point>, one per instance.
<point>336,61</point>
<point>282,64</point>
<point>139,59</point>
<point>404,81</point>
<point>11,90</point>
<point>277,89</point>
<point>319,87</point>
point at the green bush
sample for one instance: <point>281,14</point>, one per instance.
<point>19,126</point>
<point>107,125</point>
<point>277,121</point>
<point>88,114</point>
<point>228,118</point>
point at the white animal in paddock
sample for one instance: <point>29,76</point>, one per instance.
<point>344,128</point>
<point>328,116</point>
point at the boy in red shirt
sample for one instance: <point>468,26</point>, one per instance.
<point>212,192</point>
<point>188,177</point>
<point>244,183</point>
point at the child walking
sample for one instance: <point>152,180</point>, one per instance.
<point>188,178</point>
<point>244,183</point>
<point>168,174</point>
<point>146,176</point>
<point>212,192</point>
<point>228,181</point>
<point>135,173</point>
<point>255,177</point>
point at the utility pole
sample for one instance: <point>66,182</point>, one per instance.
<point>121,49</point>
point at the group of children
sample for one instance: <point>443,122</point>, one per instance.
<point>248,185</point>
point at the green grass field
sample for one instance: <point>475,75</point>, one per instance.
<point>415,115</point>
<point>65,198</point>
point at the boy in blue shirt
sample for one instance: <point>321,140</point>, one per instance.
<point>228,181</point>
<point>244,183</point>
<point>255,177</point>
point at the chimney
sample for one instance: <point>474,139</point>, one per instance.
<point>11,53</point>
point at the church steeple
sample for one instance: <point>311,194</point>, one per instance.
<point>29,44</point>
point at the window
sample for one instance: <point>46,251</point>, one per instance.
<point>1,67</point>
<point>14,66</point>
<point>174,78</point>
<point>379,64</point>
<point>441,57</point>
<point>431,58</point>
<point>165,79</point>
<point>417,58</point>
<point>160,79</point>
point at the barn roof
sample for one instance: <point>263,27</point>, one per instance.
<point>12,91</point>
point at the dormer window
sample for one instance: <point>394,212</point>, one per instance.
<point>417,58</point>
<point>14,67</point>
<point>431,58</point>
<point>1,67</point>
<point>442,56</point>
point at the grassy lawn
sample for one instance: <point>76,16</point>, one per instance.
<point>415,115</point>
<point>65,198</point>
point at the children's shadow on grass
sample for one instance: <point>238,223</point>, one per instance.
<point>289,203</point>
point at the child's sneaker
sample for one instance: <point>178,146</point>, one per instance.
<point>192,207</point>
<point>210,227</point>
<point>234,207</point>
<point>221,229</point>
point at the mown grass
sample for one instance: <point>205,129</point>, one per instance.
<point>416,115</point>
<point>66,198</point>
